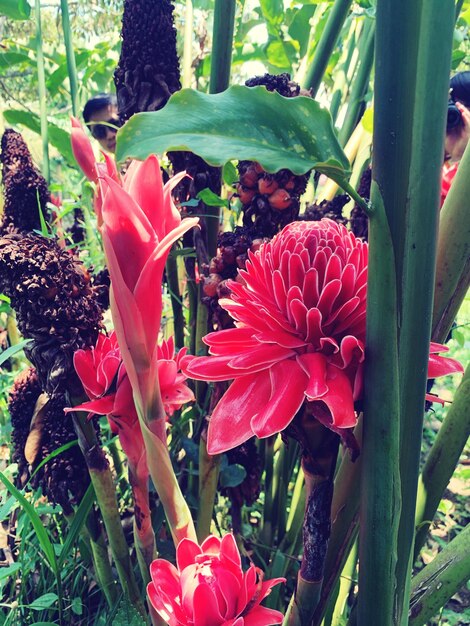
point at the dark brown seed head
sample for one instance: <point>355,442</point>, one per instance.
<point>25,189</point>
<point>55,305</point>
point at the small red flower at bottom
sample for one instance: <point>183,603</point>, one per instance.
<point>209,587</point>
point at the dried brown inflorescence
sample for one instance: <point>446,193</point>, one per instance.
<point>55,305</point>
<point>359,219</point>
<point>21,404</point>
<point>25,189</point>
<point>332,209</point>
<point>148,70</point>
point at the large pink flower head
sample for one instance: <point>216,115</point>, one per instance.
<point>209,587</point>
<point>300,315</point>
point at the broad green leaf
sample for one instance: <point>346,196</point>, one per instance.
<point>5,510</point>
<point>9,570</point>
<point>229,173</point>
<point>12,350</point>
<point>58,137</point>
<point>210,198</point>
<point>15,9</point>
<point>240,123</point>
<point>273,12</point>
<point>44,602</point>
<point>77,606</point>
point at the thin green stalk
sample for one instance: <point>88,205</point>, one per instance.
<point>453,252</point>
<point>280,486</point>
<point>380,479</point>
<point>325,46</point>
<point>437,582</point>
<point>296,515</point>
<point>346,581</point>
<point>341,81</point>
<point>442,460</point>
<point>419,257</point>
<point>360,83</point>
<point>71,67</point>
<point>187,73</point>
<point>458,8</point>
<point>222,38</point>
<point>42,91</point>
<point>176,302</point>
<point>266,534</point>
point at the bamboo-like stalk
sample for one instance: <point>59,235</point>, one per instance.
<point>437,582</point>
<point>360,83</point>
<point>103,484</point>
<point>176,302</point>
<point>187,74</point>
<point>380,479</point>
<point>325,46</point>
<point>42,92</point>
<point>453,252</point>
<point>442,460</point>
<point>221,58</point>
<point>419,255</point>
<point>209,468</point>
<point>70,55</point>
<point>99,550</point>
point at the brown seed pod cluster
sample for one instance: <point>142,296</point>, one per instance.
<point>232,253</point>
<point>332,209</point>
<point>55,305</point>
<point>270,201</point>
<point>25,189</point>
<point>39,427</point>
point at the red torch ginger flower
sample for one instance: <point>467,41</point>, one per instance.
<point>209,587</point>
<point>300,314</point>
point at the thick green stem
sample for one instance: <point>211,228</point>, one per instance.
<point>105,491</point>
<point>380,479</point>
<point>345,583</point>
<point>222,38</point>
<point>143,532</point>
<point>71,67</point>
<point>176,302</point>
<point>325,46</point>
<point>99,550</point>
<point>42,93</point>
<point>209,466</point>
<point>453,252</point>
<point>361,82</point>
<point>437,582</point>
<point>442,460</point>
<point>418,239</point>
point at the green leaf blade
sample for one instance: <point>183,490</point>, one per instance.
<point>239,123</point>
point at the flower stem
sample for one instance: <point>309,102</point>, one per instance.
<point>71,67</point>
<point>176,302</point>
<point>42,93</point>
<point>103,484</point>
<point>209,466</point>
<point>99,550</point>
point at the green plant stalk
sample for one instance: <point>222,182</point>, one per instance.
<point>360,83</point>
<point>341,81</point>
<point>202,321</point>
<point>419,258</point>
<point>296,516</point>
<point>209,468</point>
<point>70,55</point>
<point>176,302</point>
<point>187,74</point>
<point>99,550</point>
<point>42,92</point>
<point>143,532</point>
<point>103,484</point>
<point>458,8</point>
<point>266,534</point>
<point>222,38</point>
<point>325,46</point>
<point>345,583</point>
<point>436,583</point>
<point>344,524</point>
<point>453,252</point>
<point>442,460</point>
<point>380,478</point>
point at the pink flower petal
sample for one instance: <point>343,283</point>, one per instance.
<point>205,607</point>
<point>442,365</point>
<point>83,151</point>
<point>186,553</point>
<point>261,616</point>
<point>314,365</point>
<point>230,423</point>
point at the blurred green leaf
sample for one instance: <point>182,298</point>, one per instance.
<point>44,602</point>
<point>12,350</point>
<point>127,615</point>
<point>229,173</point>
<point>15,9</point>
<point>58,137</point>
<point>8,59</point>
<point>211,199</point>
<point>240,123</point>
<point>232,475</point>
